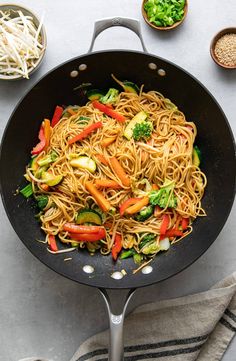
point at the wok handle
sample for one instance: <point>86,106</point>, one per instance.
<point>116,322</point>
<point>103,24</point>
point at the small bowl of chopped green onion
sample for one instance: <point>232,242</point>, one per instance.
<point>223,48</point>
<point>164,14</point>
<point>22,42</point>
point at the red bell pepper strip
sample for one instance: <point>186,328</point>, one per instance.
<point>87,131</point>
<point>44,137</point>
<point>117,247</point>
<point>40,146</point>
<point>184,223</point>
<point>88,237</point>
<point>164,224</point>
<point>57,115</point>
<point>52,243</point>
<point>108,111</point>
<point>129,202</point>
<point>173,233</point>
<point>80,229</point>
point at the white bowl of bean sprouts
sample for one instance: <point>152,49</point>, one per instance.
<point>22,42</point>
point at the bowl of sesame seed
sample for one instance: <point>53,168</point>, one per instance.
<point>223,48</point>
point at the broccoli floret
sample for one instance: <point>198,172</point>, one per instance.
<point>145,213</point>
<point>164,197</point>
<point>149,237</point>
<point>110,97</point>
<point>42,201</point>
<point>50,158</point>
<point>142,131</point>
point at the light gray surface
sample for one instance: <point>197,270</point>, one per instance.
<point>42,313</point>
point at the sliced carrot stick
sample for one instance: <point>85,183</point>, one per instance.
<point>47,131</point>
<point>70,111</point>
<point>102,202</point>
<point>102,159</point>
<point>119,171</point>
<point>45,187</point>
<point>155,187</point>
<point>107,183</point>
<point>138,206</point>
<point>107,141</point>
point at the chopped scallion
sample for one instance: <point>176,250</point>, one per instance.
<point>27,191</point>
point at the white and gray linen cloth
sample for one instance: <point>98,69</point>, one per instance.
<point>197,327</point>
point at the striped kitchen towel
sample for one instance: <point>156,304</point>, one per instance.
<point>196,327</point>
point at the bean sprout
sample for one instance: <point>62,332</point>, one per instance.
<point>20,43</point>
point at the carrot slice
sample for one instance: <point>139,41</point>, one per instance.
<point>138,206</point>
<point>107,183</point>
<point>119,171</point>
<point>47,132</point>
<point>102,202</point>
<point>45,187</point>
<point>102,159</point>
<point>85,133</point>
<point>107,141</point>
<point>70,111</point>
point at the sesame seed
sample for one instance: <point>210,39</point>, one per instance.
<point>225,50</point>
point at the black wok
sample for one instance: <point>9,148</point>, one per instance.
<point>214,138</point>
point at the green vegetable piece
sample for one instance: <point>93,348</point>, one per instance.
<point>128,253</point>
<point>164,12</point>
<point>94,94</point>
<point>138,118</point>
<point>196,157</point>
<point>74,244</point>
<point>110,97</point>
<point>27,191</point>
<point>150,237</point>
<point>84,162</point>
<point>142,131</point>
<point>88,216</point>
<point>83,118</point>
<point>130,87</point>
<point>66,114</point>
<point>137,257</point>
<point>33,163</point>
<point>38,173</point>
<point>145,213</point>
<point>42,201</point>
<point>50,179</point>
<point>164,197</point>
<point>100,212</point>
<point>50,158</point>
<point>150,248</point>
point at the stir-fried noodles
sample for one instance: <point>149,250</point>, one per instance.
<point>119,175</point>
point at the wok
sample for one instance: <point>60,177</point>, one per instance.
<point>214,138</point>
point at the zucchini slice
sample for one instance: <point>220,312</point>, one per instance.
<point>196,157</point>
<point>94,94</point>
<point>130,87</point>
<point>88,216</point>
<point>50,179</point>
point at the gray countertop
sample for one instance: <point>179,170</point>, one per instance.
<point>42,313</point>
